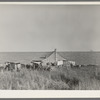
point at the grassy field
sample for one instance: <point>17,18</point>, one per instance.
<point>83,78</point>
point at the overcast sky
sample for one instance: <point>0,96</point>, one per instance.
<point>43,28</point>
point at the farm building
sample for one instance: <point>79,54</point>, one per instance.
<point>54,58</point>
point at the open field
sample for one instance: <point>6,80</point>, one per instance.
<point>59,78</point>
<point>64,78</point>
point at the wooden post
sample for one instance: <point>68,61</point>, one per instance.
<point>55,51</point>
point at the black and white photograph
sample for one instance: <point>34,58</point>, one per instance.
<point>49,47</point>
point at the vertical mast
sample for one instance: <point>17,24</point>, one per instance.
<point>55,55</point>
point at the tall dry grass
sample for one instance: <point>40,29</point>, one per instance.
<point>58,79</point>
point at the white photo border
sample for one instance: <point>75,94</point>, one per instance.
<point>49,93</point>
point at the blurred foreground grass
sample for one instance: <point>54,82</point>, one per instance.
<point>58,79</point>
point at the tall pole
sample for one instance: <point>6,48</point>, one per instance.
<point>55,55</point>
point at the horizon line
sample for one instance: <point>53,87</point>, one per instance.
<point>53,50</point>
